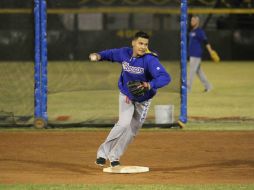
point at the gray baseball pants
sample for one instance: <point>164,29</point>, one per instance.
<point>195,68</point>
<point>131,118</point>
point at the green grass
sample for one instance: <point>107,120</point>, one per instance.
<point>88,91</point>
<point>84,91</point>
<point>128,187</point>
<point>232,95</point>
<point>190,126</point>
<point>219,126</point>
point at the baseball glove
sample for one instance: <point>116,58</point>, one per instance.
<point>214,56</point>
<point>138,88</point>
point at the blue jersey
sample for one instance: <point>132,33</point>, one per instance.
<point>196,39</point>
<point>146,68</point>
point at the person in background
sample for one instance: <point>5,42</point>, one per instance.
<point>197,38</point>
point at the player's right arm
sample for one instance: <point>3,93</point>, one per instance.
<point>113,55</point>
<point>94,57</point>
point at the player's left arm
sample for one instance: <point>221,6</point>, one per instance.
<point>159,74</point>
<point>213,54</point>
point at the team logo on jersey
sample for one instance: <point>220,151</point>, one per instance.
<point>193,34</point>
<point>131,69</point>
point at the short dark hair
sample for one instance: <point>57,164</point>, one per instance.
<point>141,34</point>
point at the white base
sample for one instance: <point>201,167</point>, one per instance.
<point>126,169</point>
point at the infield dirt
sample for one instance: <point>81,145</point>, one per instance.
<point>177,157</point>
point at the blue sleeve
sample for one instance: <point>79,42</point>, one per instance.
<point>202,35</point>
<point>113,55</point>
<point>159,74</point>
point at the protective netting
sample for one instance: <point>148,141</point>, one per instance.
<point>83,92</point>
<point>16,93</point>
<point>16,68</point>
<point>80,91</point>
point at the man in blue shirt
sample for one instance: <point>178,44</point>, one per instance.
<point>197,38</point>
<point>138,64</point>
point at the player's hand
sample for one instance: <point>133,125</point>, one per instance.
<point>94,57</point>
<point>146,85</point>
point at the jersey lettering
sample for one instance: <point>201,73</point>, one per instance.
<point>132,69</point>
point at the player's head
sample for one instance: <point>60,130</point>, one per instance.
<point>195,21</point>
<point>140,43</point>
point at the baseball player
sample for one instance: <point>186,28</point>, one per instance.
<point>197,38</point>
<point>142,74</point>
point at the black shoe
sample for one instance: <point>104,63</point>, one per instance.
<point>208,90</point>
<point>100,161</point>
<point>114,163</point>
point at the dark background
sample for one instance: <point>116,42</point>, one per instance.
<point>231,35</point>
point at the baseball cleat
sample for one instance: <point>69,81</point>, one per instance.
<point>114,164</point>
<point>208,90</point>
<point>100,161</point>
